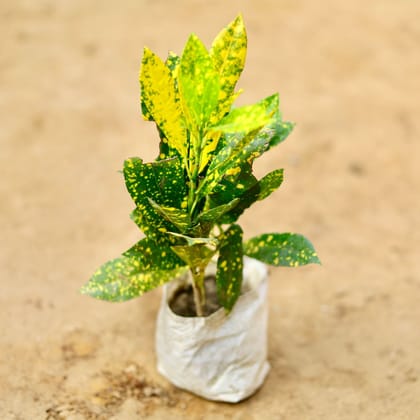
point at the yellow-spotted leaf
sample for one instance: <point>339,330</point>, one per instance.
<point>177,217</point>
<point>162,181</point>
<point>270,183</point>
<point>160,101</point>
<point>211,141</point>
<point>125,278</point>
<point>154,256</point>
<point>198,83</point>
<point>281,249</point>
<point>228,52</point>
<point>248,118</point>
<point>197,255</point>
<point>229,267</point>
<point>215,213</point>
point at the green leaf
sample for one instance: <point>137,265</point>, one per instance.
<point>238,149</point>
<point>278,131</point>
<point>172,62</point>
<point>270,183</point>
<point>214,214</point>
<point>229,267</point>
<point>161,181</point>
<point>248,118</point>
<point>192,241</point>
<point>155,229</point>
<point>228,52</point>
<point>242,186</point>
<point>196,255</point>
<point>199,84</point>
<point>153,256</point>
<point>160,102</point>
<point>124,278</point>
<point>281,249</point>
<point>178,218</point>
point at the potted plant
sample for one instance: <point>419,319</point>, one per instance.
<point>211,330</point>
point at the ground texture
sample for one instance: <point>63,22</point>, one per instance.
<point>344,338</point>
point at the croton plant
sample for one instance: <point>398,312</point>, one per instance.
<point>188,201</point>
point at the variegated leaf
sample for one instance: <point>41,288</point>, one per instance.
<point>154,256</point>
<point>229,267</point>
<point>198,83</point>
<point>228,52</point>
<point>278,131</point>
<point>248,118</point>
<point>281,249</point>
<point>211,140</point>
<point>160,101</point>
<point>214,214</point>
<point>124,278</point>
<point>197,255</point>
<point>177,217</point>
<point>270,183</point>
<point>161,181</point>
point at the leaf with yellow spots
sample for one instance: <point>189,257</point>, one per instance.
<point>228,52</point>
<point>240,147</point>
<point>152,228</point>
<point>198,255</point>
<point>242,186</point>
<point>270,183</point>
<point>211,141</point>
<point>198,84</point>
<point>214,214</point>
<point>161,181</point>
<point>160,102</point>
<point>125,278</point>
<point>193,241</point>
<point>229,267</point>
<point>248,118</point>
<point>153,256</point>
<point>278,131</point>
<point>177,217</point>
<point>281,249</point>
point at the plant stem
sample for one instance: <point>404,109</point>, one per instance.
<point>198,289</point>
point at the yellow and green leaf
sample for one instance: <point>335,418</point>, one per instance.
<point>229,267</point>
<point>163,182</point>
<point>248,118</point>
<point>154,256</point>
<point>160,102</point>
<point>177,217</point>
<point>198,84</point>
<point>198,255</point>
<point>228,52</point>
<point>270,183</point>
<point>281,249</point>
<point>125,278</point>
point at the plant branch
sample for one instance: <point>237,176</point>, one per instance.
<point>198,289</point>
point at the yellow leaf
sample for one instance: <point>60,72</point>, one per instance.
<point>228,53</point>
<point>160,99</point>
<point>211,140</point>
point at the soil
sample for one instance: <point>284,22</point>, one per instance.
<point>344,337</point>
<point>182,303</point>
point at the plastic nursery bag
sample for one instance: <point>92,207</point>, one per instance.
<point>220,357</point>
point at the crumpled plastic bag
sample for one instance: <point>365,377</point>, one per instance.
<point>220,357</point>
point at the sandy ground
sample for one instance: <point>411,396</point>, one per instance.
<point>344,338</point>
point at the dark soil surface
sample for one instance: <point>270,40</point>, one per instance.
<point>183,304</point>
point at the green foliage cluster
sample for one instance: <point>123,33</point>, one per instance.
<point>189,199</point>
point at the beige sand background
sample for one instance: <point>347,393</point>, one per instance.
<point>344,337</point>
